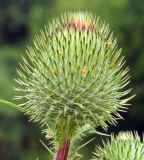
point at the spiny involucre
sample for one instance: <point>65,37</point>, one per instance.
<point>125,146</point>
<point>74,73</point>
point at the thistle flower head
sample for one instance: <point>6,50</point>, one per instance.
<point>74,73</point>
<point>126,145</point>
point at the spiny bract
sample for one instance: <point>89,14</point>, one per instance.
<point>74,72</point>
<point>126,146</point>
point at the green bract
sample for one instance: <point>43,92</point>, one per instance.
<point>126,146</point>
<point>74,74</point>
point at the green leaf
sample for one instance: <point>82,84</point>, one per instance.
<point>12,105</point>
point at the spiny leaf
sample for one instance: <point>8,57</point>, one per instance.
<point>75,71</point>
<point>48,149</point>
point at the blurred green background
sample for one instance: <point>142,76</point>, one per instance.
<point>20,20</point>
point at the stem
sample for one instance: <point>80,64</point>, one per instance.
<point>62,152</point>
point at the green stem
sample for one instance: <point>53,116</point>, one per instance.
<point>12,105</point>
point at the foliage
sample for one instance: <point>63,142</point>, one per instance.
<point>20,20</point>
<point>73,76</point>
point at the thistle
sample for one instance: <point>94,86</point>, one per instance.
<point>125,146</point>
<point>73,76</point>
